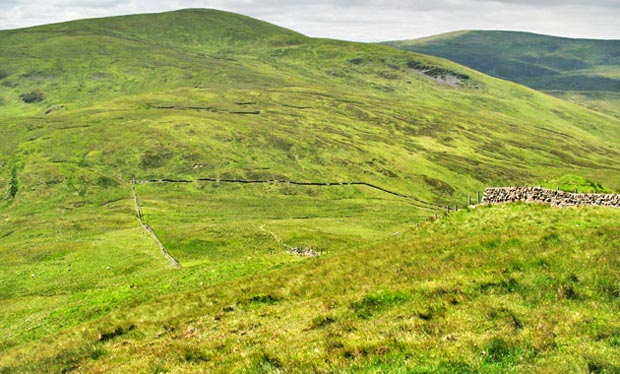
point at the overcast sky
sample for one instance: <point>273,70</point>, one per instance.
<point>360,20</point>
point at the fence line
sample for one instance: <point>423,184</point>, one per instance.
<point>490,195</point>
<point>149,230</point>
<point>297,183</point>
<point>176,264</point>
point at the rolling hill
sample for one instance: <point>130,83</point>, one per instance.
<point>88,106</point>
<point>583,70</point>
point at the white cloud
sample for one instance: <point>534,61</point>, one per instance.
<point>363,20</point>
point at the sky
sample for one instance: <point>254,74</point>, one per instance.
<point>358,20</point>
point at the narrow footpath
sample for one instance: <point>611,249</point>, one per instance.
<point>275,237</point>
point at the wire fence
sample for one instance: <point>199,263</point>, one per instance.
<point>175,263</point>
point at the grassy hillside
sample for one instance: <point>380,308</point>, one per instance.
<point>86,106</point>
<point>521,288</point>
<point>584,70</point>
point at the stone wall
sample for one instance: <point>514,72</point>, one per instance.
<point>543,195</point>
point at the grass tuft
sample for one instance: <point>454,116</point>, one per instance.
<point>378,302</point>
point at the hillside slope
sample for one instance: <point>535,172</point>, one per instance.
<point>585,70</point>
<point>510,289</point>
<point>87,106</point>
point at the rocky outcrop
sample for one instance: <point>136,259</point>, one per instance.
<point>543,195</point>
<point>307,252</point>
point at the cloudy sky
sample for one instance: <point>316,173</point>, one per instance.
<point>361,20</point>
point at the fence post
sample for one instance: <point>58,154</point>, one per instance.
<point>468,200</point>
<point>477,197</point>
<point>448,208</point>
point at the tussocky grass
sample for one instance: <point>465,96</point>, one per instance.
<point>512,288</point>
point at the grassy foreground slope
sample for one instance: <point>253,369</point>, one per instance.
<point>86,106</point>
<point>519,288</point>
<point>583,70</point>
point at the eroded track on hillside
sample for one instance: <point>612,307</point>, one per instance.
<point>274,236</point>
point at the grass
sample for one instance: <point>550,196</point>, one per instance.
<point>213,224</point>
<point>573,183</point>
<point>477,291</point>
<point>605,102</point>
<point>201,93</point>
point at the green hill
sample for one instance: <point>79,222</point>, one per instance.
<point>584,70</point>
<point>87,106</point>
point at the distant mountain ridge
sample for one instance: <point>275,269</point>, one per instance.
<point>557,65</point>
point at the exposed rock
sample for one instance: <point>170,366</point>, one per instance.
<point>441,75</point>
<point>308,252</point>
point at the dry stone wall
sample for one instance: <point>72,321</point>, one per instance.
<point>543,195</point>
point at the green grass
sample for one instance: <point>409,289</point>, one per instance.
<point>201,93</point>
<point>605,102</point>
<point>508,288</point>
<point>573,183</point>
<point>581,69</point>
<point>218,224</point>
